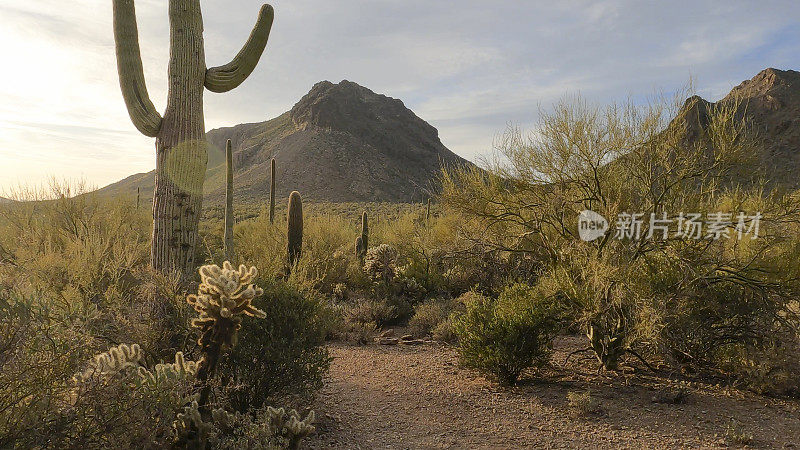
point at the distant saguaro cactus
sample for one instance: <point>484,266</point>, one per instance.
<point>360,250</point>
<point>228,237</point>
<point>137,198</point>
<point>272,192</point>
<point>364,229</point>
<point>363,240</point>
<point>181,146</point>
<point>294,228</point>
<point>428,212</point>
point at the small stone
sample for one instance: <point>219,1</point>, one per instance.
<point>388,341</point>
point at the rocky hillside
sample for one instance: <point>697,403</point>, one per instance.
<point>339,143</point>
<point>770,102</point>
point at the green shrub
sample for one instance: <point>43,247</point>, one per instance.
<point>583,404</point>
<point>505,336</point>
<point>428,316</point>
<point>376,312</point>
<point>284,355</point>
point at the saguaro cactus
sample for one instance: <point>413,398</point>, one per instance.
<point>181,146</point>
<point>363,240</point>
<point>294,228</point>
<point>364,229</point>
<point>428,212</point>
<point>272,192</point>
<point>228,238</point>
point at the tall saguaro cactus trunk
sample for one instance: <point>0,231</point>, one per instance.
<point>181,146</point>
<point>228,238</point>
<point>272,192</point>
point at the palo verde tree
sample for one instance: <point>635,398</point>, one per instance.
<point>181,146</point>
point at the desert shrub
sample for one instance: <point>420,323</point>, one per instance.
<point>158,318</point>
<point>376,312</point>
<point>340,292</point>
<point>39,352</point>
<point>426,248</point>
<point>505,336</point>
<point>583,404</point>
<point>707,306</point>
<point>262,243</point>
<point>284,355</point>
<point>428,316</point>
<point>327,253</point>
<point>607,302</point>
<point>735,434</point>
<point>477,266</point>
<point>268,429</point>
<point>73,281</point>
<point>445,331</point>
<point>358,332</point>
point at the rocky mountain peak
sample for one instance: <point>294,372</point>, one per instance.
<point>352,108</point>
<point>773,88</point>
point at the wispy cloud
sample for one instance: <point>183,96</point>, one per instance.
<point>468,67</point>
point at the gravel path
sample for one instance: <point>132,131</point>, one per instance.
<point>417,397</point>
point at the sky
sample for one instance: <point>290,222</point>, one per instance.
<point>470,68</point>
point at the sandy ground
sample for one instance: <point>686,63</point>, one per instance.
<point>417,397</point>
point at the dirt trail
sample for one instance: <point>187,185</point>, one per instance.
<point>418,398</point>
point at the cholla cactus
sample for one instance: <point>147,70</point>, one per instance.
<point>288,426</point>
<point>190,429</point>
<point>223,297</point>
<point>381,262</point>
<point>181,369</point>
<point>115,360</point>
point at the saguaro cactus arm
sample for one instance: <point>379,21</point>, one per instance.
<point>131,75</point>
<point>227,77</point>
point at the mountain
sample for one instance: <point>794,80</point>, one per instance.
<point>339,143</point>
<point>770,102</point>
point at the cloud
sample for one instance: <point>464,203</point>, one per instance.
<point>468,67</point>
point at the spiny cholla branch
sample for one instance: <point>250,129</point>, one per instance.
<point>223,297</point>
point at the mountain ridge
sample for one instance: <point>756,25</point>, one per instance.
<point>770,102</point>
<point>341,142</point>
